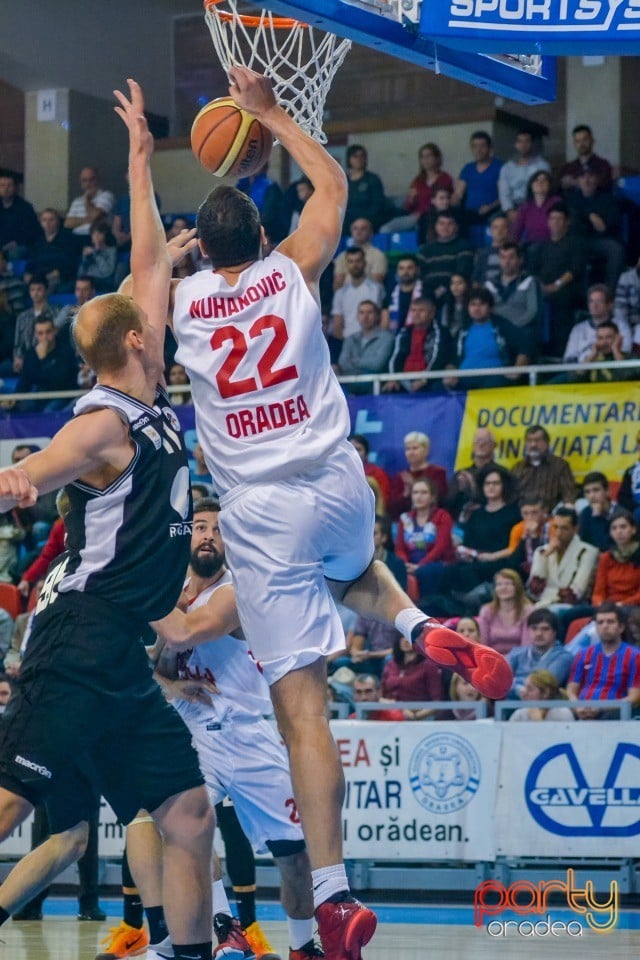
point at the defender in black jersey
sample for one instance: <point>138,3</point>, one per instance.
<point>88,718</point>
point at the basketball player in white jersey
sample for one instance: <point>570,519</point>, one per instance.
<point>297,514</point>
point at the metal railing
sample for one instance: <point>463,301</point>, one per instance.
<point>622,706</point>
<point>341,711</point>
<point>479,707</point>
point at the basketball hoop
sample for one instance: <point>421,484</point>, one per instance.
<point>301,60</point>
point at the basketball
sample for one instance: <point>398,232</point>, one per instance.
<point>229,141</point>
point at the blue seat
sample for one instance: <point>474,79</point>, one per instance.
<point>381,241</point>
<point>18,267</point>
<point>62,299</point>
<point>404,240</point>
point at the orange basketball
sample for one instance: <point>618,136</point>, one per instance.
<point>228,140</point>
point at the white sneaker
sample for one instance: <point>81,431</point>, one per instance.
<point>160,951</point>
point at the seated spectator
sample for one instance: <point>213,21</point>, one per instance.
<point>19,227</point>
<point>503,622</point>
<point>626,312</point>
<point>369,644</point>
<point>52,549</point>
<point>14,289</point>
<point>48,366</point>
<point>375,261</point>
<point>476,188</point>
<point>40,309</point>
<point>531,224</point>
<point>424,532</point>
<point>407,289</point>
<point>516,174</point>
<point>629,492</point>
<point>596,219</point>
<point>488,342</point>
<point>365,191</point>
<point>7,334</point>
<point>361,446</point>
<point>582,338</point>
<point>55,256</point>
<point>357,287</point>
<point>269,199</point>
<point>199,471</point>
<point>618,571</point>
<point>454,309</point>
<point>461,692</point>
<point>541,473</point>
<point>594,520</point>
<point>416,450</point>
<point>562,572</point>
<point>559,265</point>
<point>367,351</point>
<point>421,345</point>
<point>92,205</point>
<point>417,202</point>
<point>486,265</point>
<point>449,253</point>
<point>545,652</point>
<point>441,202</point>
<point>410,676</point>
<point>295,198</point>
<point>367,689</point>
<point>542,685</point>
<point>462,495</point>
<point>178,378</point>
<point>84,290</point>
<point>608,348</point>
<point>11,534</point>
<point>583,143</point>
<point>518,300</point>
<point>99,258</point>
<point>607,670</point>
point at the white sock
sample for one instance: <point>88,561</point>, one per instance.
<point>327,881</point>
<point>300,932</point>
<point>220,899</point>
<point>408,619</point>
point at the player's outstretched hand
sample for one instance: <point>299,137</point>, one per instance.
<point>16,490</point>
<point>178,247</point>
<point>131,112</point>
<point>251,91</point>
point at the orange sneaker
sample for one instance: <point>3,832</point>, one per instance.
<point>124,941</point>
<point>483,667</point>
<point>259,944</point>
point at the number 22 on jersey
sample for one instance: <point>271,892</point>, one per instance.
<point>266,373</point>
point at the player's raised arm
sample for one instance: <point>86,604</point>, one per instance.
<point>216,618</point>
<point>314,243</point>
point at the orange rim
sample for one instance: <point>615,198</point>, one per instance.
<point>279,23</point>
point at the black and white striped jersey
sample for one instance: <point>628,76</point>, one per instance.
<point>129,544</point>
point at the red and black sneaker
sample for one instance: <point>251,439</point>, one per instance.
<point>232,943</point>
<point>481,665</point>
<point>345,928</point>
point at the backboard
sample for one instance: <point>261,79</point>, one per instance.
<point>400,28</point>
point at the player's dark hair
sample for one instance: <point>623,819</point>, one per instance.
<point>228,224</point>
<point>206,505</point>
<point>104,350</point>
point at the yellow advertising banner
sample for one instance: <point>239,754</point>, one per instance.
<point>592,425</point>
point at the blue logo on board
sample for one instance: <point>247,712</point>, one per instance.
<point>444,772</point>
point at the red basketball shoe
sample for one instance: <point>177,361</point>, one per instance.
<point>482,666</point>
<point>345,928</point>
<point>310,951</point>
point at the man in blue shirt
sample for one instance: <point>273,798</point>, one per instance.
<point>543,653</point>
<point>488,342</point>
<point>477,184</point>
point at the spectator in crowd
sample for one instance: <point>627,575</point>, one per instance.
<point>366,194</point>
<point>417,202</point>
<point>487,342</point>
<point>542,685</point>
<point>358,287</point>
<point>368,350</point>
<point>375,261</point>
<point>11,534</point>
<point>421,345</point>
<point>461,692</point>
<point>559,265</point>
<point>99,258</point>
<point>629,492</point>
<point>92,205</point>
<point>477,185</point>
<point>369,645</point>
<point>6,689</point>
<point>486,266</point>
<point>490,525</point>
<point>545,652</point>
<point>531,224</point>
<point>268,198</point>
<point>627,302</point>
<point>454,309</point>
<point>441,202</point>
<point>295,197</point>
<point>596,219</point>
<point>449,253</point>
<point>410,676</point>
<point>178,378</point>
<point>618,572</point>
<point>199,471</point>
<point>462,495</point>
<point>408,287</point>
<point>525,538</point>
<point>45,510</point>
<point>518,299</point>
<point>13,287</point>
<point>503,621</point>
<point>516,173</point>
<point>607,670</point>
<point>84,290</point>
<point>382,550</point>
<point>7,334</point>
<point>424,532</point>
<point>52,549</point>
<point>40,309</point>
<point>582,338</point>
<point>594,520</point>
<point>368,689</point>
<point>607,348</point>
<point>48,366</point>
<point>562,572</point>
<point>416,450</point>
<point>583,143</point>
<point>19,227</point>
<point>361,446</point>
<point>541,474</point>
<point>55,255</point>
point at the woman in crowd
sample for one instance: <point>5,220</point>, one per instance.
<point>429,178</point>
<point>503,621</point>
<point>618,572</point>
<point>416,450</point>
<point>100,259</point>
<point>530,225</point>
<point>409,676</point>
<point>487,529</point>
<point>460,692</point>
<point>454,314</point>
<point>542,685</point>
<point>424,532</point>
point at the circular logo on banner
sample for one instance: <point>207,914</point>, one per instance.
<point>444,772</point>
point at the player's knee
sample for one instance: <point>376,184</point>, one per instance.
<point>13,810</point>
<point>189,814</point>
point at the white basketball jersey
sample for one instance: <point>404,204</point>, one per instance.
<point>244,693</point>
<point>267,401</point>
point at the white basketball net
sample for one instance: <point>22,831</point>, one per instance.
<point>301,61</point>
